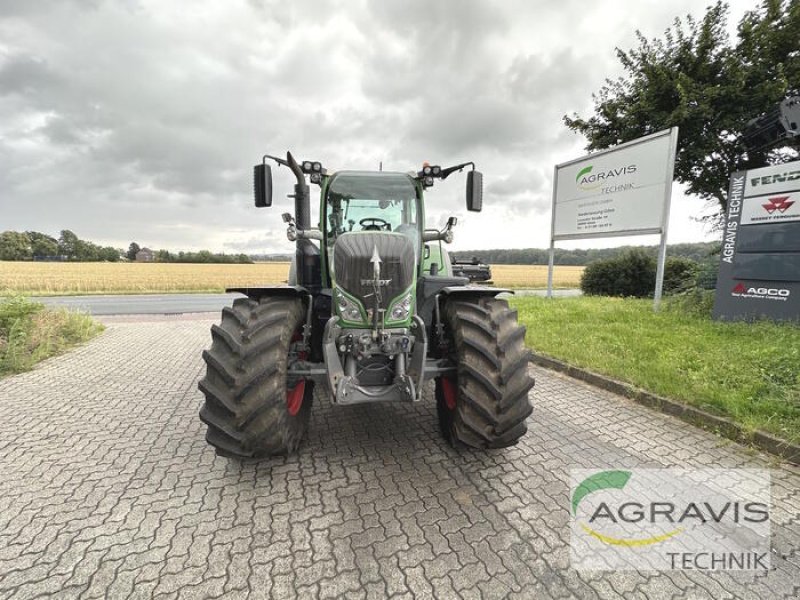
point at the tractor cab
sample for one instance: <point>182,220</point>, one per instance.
<point>370,201</point>
<point>364,201</point>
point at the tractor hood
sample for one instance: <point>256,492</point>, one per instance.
<point>370,260</point>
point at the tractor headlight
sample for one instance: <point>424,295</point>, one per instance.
<point>348,308</point>
<point>401,308</point>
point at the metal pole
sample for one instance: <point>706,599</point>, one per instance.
<point>662,250</point>
<point>662,256</point>
<point>552,253</point>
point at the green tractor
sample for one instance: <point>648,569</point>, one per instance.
<point>373,312</point>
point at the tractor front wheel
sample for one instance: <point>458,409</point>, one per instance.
<point>251,408</point>
<point>486,404</point>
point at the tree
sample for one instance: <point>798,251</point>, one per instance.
<point>109,254</point>
<point>695,79</point>
<point>42,244</point>
<point>132,250</point>
<point>87,251</point>
<point>14,246</point>
<point>68,244</point>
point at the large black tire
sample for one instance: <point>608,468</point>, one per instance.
<point>249,409</point>
<point>486,404</point>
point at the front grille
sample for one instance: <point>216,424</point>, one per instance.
<point>353,269</point>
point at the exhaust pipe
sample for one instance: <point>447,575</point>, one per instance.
<point>302,196</point>
<point>306,254</point>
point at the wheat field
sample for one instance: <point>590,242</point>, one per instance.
<point>535,276</point>
<point>53,278</point>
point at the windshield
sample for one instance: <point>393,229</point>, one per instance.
<point>371,202</point>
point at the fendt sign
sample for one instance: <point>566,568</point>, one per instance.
<point>759,273</point>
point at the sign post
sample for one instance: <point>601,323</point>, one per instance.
<point>759,269</point>
<point>621,191</point>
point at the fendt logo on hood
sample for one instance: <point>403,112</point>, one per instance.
<point>587,180</point>
<point>779,203</point>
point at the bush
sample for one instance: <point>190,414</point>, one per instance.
<point>706,277</point>
<point>679,274</point>
<point>696,295</point>
<point>632,274</point>
<point>693,301</point>
<point>30,333</point>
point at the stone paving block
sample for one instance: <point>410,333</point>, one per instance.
<point>109,490</point>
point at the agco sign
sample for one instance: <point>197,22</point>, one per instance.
<point>742,291</point>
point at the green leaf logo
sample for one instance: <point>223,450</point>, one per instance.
<point>599,481</point>
<point>583,172</point>
<point>612,480</point>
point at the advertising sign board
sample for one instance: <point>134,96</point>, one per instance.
<point>616,193</point>
<point>759,269</point>
<point>624,190</point>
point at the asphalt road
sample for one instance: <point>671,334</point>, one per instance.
<point>143,304</point>
<point>109,490</point>
<point>178,303</point>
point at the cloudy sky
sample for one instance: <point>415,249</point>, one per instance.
<point>141,119</point>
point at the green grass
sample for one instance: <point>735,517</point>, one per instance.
<point>30,333</point>
<point>748,372</point>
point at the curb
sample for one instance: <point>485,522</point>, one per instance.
<point>724,426</point>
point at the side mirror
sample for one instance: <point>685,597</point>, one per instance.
<point>262,185</point>
<point>474,191</point>
<point>451,222</point>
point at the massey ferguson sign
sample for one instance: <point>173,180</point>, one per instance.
<point>777,208</point>
<point>759,273</point>
<point>780,204</point>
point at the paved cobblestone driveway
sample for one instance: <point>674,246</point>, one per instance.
<point>109,490</point>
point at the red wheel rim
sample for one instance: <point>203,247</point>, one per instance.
<point>294,397</point>
<point>450,393</point>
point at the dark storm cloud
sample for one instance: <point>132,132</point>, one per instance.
<point>25,75</point>
<point>141,119</point>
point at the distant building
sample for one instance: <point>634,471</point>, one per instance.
<point>145,255</point>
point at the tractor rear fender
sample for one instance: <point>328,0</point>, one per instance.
<point>473,290</point>
<point>281,291</point>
